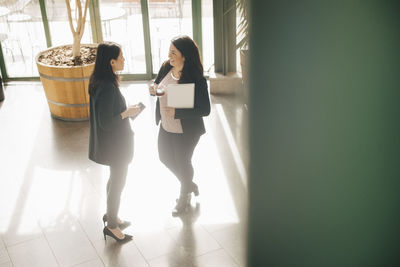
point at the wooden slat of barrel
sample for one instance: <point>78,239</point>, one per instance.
<point>66,89</point>
<point>69,113</point>
<point>67,92</point>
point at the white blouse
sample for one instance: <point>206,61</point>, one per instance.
<point>169,124</point>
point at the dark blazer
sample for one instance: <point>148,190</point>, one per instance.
<point>191,119</point>
<point>111,137</point>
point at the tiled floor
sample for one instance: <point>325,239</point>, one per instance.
<point>52,197</point>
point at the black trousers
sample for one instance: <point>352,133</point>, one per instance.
<point>176,151</point>
<point>115,185</point>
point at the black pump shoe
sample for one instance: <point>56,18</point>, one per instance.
<point>108,232</point>
<point>195,189</point>
<point>121,226</point>
<point>182,206</point>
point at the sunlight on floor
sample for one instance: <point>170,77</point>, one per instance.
<point>232,144</point>
<point>55,192</point>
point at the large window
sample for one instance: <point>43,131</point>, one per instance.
<point>168,19</point>
<point>122,22</point>
<point>21,36</point>
<point>208,34</point>
<point>59,24</point>
<point>144,28</point>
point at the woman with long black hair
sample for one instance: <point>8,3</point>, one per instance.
<point>111,137</point>
<point>181,129</point>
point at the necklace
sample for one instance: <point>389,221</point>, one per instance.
<point>175,74</point>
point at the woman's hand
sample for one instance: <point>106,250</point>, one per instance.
<point>131,111</point>
<point>152,89</point>
<point>170,112</point>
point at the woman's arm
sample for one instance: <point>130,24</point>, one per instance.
<point>201,102</point>
<point>105,108</point>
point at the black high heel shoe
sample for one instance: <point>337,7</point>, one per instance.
<point>182,205</point>
<point>122,225</point>
<point>195,189</point>
<point>108,232</point>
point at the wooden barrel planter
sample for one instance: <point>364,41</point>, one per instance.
<point>66,89</point>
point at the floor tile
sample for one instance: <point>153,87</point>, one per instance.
<point>193,239</point>
<point>5,260</point>
<point>92,263</point>
<point>69,243</point>
<point>154,244</point>
<point>115,254</point>
<point>20,227</point>
<point>2,246</point>
<point>217,258</point>
<point>13,198</point>
<point>90,217</point>
<point>177,258</point>
<point>32,253</point>
<point>232,239</point>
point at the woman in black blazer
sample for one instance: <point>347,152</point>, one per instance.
<point>181,129</point>
<point>111,137</point>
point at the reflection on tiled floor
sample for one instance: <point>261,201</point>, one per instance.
<point>52,197</point>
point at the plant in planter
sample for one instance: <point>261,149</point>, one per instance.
<point>80,28</point>
<point>243,33</point>
<point>65,71</point>
<point>243,27</point>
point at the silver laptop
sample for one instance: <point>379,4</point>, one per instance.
<point>180,95</point>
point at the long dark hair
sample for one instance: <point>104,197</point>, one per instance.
<point>103,71</point>
<point>192,67</point>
